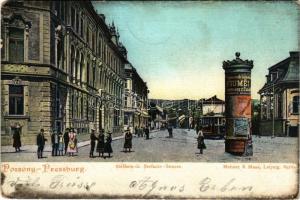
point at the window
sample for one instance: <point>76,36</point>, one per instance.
<point>81,68</point>
<point>59,54</point>
<point>16,100</point>
<point>72,61</point>
<point>93,42</point>
<point>73,17</point>
<point>88,36</point>
<point>125,101</point>
<point>81,108</point>
<point>57,106</point>
<point>57,8</point>
<point>63,11</point>
<point>81,29</point>
<point>295,104</point>
<point>94,75</point>
<point>73,107</point>
<point>77,23</point>
<point>87,108</point>
<point>16,45</point>
<point>88,73</point>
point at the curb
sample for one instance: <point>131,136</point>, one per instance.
<point>80,144</point>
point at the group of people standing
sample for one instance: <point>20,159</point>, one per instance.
<point>103,145</point>
<point>143,131</point>
<point>61,143</point>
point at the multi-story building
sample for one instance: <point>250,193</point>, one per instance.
<point>61,67</point>
<point>136,99</point>
<point>279,99</point>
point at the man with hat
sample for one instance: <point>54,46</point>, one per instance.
<point>128,140</point>
<point>40,141</point>
<point>66,139</point>
<point>93,143</point>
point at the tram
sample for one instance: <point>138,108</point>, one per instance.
<point>213,126</point>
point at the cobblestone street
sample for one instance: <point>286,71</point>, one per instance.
<point>181,148</point>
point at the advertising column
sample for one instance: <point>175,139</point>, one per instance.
<point>238,137</point>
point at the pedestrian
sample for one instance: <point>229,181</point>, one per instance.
<point>136,131</point>
<point>61,144</point>
<point>107,146</point>
<point>72,146</point>
<point>147,132</point>
<point>170,130</point>
<point>40,141</point>
<point>200,139</point>
<point>66,139</point>
<point>100,144</point>
<point>128,141</point>
<point>54,142</point>
<point>141,131</point>
<point>93,139</point>
<point>17,138</point>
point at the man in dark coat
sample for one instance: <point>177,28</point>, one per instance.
<point>128,141</point>
<point>101,141</point>
<point>170,130</point>
<point>93,143</point>
<point>136,131</point>
<point>17,139</point>
<point>66,140</point>
<point>54,141</point>
<point>40,141</point>
<point>147,132</point>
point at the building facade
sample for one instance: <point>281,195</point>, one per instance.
<point>279,99</point>
<point>136,99</point>
<point>61,67</point>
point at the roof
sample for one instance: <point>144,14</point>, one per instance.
<point>287,71</point>
<point>213,99</point>
<point>293,72</point>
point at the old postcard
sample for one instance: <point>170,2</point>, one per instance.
<point>149,99</point>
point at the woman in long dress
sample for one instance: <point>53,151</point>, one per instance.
<point>72,145</point>
<point>17,139</point>
<point>200,139</point>
<point>107,146</point>
<point>100,144</point>
<point>128,141</point>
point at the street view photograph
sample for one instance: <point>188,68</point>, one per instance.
<point>150,81</point>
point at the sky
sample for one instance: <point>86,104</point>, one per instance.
<point>178,47</point>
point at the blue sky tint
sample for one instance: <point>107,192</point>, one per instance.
<point>178,47</point>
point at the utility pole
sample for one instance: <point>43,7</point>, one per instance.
<point>273,115</point>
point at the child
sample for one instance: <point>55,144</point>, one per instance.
<point>61,144</point>
<point>200,139</point>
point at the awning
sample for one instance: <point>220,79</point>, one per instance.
<point>182,117</point>
<point>142,113</point>
<point>159,109</point>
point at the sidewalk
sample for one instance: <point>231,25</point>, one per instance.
<point>48,146</point>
